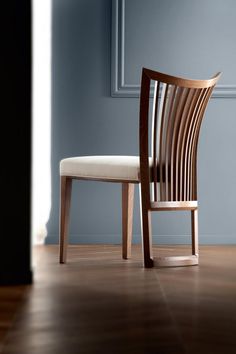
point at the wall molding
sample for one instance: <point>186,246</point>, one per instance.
<point>119,86</point>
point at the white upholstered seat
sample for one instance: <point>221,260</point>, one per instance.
<point>104,167</point>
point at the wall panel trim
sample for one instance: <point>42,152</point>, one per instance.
<point>119,86</point>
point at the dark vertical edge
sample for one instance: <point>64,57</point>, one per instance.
<point>143,138</point>
<point>16,64</point>
<point>144,192</point>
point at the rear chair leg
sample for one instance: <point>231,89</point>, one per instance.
<point>127,218</point>
<point>65,197</point>
<point>194,224</point>
<point>146,229</point>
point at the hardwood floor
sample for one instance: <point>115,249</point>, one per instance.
<point>99,303</point>
<point>10,301</point>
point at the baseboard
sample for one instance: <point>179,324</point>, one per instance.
<point>204,239</point>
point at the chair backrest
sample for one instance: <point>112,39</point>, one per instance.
<point>175,119</point>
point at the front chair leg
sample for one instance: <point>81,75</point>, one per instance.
<point>146,229</point>
<point>65,197</point>
<point>127,218</point>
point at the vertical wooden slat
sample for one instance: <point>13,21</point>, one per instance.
<point>193,191</point>
<point>194,97</point>
<point>172,166</point>
<point>183,112</point>
<point>200,94</point>
<point>178,183</point>
<point>191,139</point>
<point>164,143</point>
<point>154,137</point>
<point>182,141</point>
<point>191,145</point>
<point>161,145</point>
<point>174,177</point>
<point>168,139</point>
<point>186,153</point>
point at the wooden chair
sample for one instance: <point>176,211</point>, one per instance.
<point>167,179</point>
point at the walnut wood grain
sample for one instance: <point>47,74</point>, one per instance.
<point>177,119</point>
<point>65,197</point>
<point>127,218</point>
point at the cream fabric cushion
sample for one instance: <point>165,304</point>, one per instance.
<point>104,167</point>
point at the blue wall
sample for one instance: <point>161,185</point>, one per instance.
<point>86,120</point>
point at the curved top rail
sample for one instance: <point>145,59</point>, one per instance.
<point>179,81</point>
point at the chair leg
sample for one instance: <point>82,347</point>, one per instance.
<point>194,224</point>
<point>127,218</point>
<point>146,230</point>
<point>65,197</point>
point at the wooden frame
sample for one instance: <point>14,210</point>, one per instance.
<point>65,198</point>
<point>127,212</point>
<point>176,120</point>
<point>127,218</point>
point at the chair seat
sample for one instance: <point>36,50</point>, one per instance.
<point>123,168</point>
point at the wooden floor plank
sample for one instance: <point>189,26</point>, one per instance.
<point>99,303</point>
<point>11,297</point>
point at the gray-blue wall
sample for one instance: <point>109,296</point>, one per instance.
<point>86,120</point>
